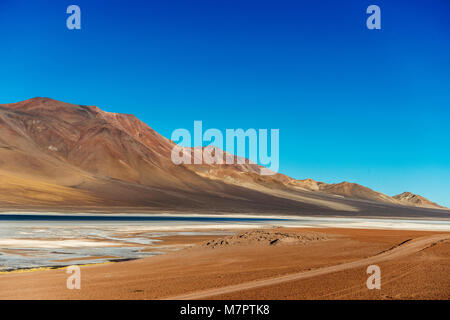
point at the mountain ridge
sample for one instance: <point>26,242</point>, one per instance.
<point>414,199</point>
<point>106,158</point>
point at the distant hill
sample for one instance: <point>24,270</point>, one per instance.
<point>409,198</point>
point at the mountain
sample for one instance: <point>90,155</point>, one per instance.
<point>409,198</point>
<point>354,190</point>
<point>57,155</point>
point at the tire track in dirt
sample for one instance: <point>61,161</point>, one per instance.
<point>405,248</point>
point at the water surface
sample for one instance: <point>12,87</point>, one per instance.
<point>54,240</point>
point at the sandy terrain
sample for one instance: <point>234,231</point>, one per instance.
<point>307,264</point>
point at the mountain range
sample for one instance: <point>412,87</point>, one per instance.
<point>61,156</point>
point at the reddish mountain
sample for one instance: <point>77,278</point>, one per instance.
<point>409,198</point>
<point>354,190</point>
<point>94,157</point>
<point>56,154</point>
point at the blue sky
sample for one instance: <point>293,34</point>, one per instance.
<point>367,106</point>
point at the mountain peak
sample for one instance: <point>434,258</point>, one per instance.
<point>416,200</point>
<point>354,190</point>
<point>70,153</point>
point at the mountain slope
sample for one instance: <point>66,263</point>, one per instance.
<point>409,198</point>
<point>115,158</point>
<point>354,190</point>
<point>60,154</point>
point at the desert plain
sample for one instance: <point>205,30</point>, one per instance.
<point>271,263</point>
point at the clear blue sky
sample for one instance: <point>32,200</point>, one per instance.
<point>367,106</point>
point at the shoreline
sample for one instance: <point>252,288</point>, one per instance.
<point>231,221</point>
<point>166,244</point>
<point>160,244</point>
<point>130,213</point>
<point>49,268</point>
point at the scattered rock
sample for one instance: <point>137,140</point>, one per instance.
<point>266,237</point>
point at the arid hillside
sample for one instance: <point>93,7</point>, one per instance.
<point>65,156</point>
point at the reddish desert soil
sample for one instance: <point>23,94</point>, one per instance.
<point>322,264</point>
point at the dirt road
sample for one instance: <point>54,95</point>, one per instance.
<point>406,248</point>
